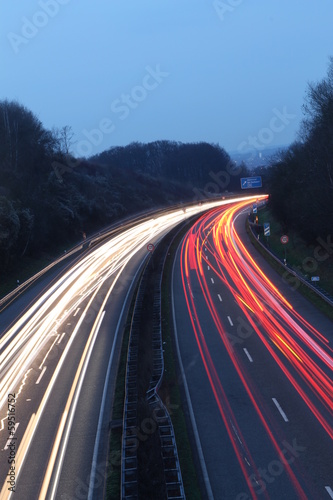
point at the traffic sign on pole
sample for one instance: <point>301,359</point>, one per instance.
<point>267,229</point>
<point>284,239</point>
<point>251,182</point>
<point>315,278</point>
<point>255,208</point>
<point>150,247</point>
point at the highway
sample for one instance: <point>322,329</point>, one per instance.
<point>58,359</point>
<point>257,364</point>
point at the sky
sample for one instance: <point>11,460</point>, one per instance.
<point>231,72</point>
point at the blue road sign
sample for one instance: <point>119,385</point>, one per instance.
<point>315,278</point>
<point>267,229</point>
<point>255,208</point>
<point>251,182</point>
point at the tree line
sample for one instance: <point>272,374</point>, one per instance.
<point>301,181</point>
<point>48,198</point>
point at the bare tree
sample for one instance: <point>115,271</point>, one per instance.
<point>64,137</point>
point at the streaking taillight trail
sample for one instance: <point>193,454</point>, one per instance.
<point>301,352</point>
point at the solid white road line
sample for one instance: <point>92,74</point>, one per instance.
<point>248,355</point>
<point>329,491</point>
<point>219,296</point>
<point>40,376</point>
<point>230,321</point>
<point>284,416</point>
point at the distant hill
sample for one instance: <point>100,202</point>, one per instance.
<point>194,165</point>
<point>49,198</point>
<point>256,158</point>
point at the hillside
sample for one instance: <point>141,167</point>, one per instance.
<point>48,198</point>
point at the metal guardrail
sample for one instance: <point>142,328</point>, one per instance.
<point>324,295</point>
<point>102,234</point>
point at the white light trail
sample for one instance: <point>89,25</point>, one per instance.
<point>21,344</point>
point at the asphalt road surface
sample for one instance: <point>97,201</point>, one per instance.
<point>257,362</point>
<point>59,349</point>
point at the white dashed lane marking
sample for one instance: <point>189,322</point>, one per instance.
<point>248,355</point>
<point>40,376</point>
<point>329,491</point>
<point>230,321</point>
<point>284,416</point>
<point>61,337</point>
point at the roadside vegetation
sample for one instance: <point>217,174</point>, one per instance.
<point>49,198</point>
<point>307,259</point>
<point>300,256</point>
<point>301,180</point>
<point>300,183</point>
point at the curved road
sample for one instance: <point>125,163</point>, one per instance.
<point>257,362</point>
<point>58,359</point>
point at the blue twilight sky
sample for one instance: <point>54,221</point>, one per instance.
<point>232,72</point>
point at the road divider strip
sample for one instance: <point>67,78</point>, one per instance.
<point>160,420</point>
<point>106,382</point>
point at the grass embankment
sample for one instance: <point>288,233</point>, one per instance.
<point>301,257</point>
<point>24,270</point>
<point>27,267</point>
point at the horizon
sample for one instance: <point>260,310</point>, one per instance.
<point>218,73</point>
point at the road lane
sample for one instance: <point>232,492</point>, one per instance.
<point>34,477</point>
<point>49,344</point>
<point>242,310</point>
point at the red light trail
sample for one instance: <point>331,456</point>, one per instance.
<point>301,352</point>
